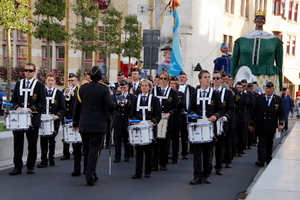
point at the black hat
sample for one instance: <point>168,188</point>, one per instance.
<point>71,75</point>
<point>250,85</point>
<point>224,74</point>
<point>244,81</point>
<point>269,85</point>
<point>156,76</point>
<point>166,48</point>
<point>284,89</point>
<point>130,74</point>
<point>182,73</point>
<point>96,72</point>
<point>120,73</point>
<point>136,70</point>
<point>254,82</point>
<point>123,83</point>
<point>173,78</point>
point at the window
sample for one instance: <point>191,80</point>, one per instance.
<point>291,45</point>
<point>276,6</point>
<point>58,56</point>
<point>11,35</point>
<point>296,12</point>
<point>227,39</point>
<point>22,37</point>
<point>290,10</point>
<point>229,6</point>
<point>293,11</point>
<point>277,34</point>
<point>245,8</point>
<point>260,5</point>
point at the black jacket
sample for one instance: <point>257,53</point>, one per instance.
<point>36,102</point>
<point>91,105</point>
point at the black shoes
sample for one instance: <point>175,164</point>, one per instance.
<point>228,166</point>
<point>76,173</point>
<point>163,168</point>
<point>219,172</point>
<point>136,176</point>
<point>126,159</point>
<point>259,163</point>
<point>196,181</point>
<point>42,165</point>
<point>184,157</point>
<point>65,157</point>
<point>206,180</point>
<point>15,172</point>
<point>117,160</point>
<point>51,163</point>
<point>30,171</point>
<point>147,175</point>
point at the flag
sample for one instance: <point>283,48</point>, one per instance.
<point>176,59</point>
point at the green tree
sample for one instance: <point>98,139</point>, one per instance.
<point>49,27</point>
<point>84,37</point>
<point>111,20</point>
<point>132,44</point>
<point>13,16</point>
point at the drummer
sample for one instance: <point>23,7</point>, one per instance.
<point>57,108</point>
<point>154,116</point>
<point>213,111</point>
<point>36,102</point>
<point>169,104</point>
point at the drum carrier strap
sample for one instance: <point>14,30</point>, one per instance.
<point>203,99</point>
<point>26,91</point>
<point>48,99</point>
<point>163,97</point>
<point>223,94</point>
<point>144,108</point>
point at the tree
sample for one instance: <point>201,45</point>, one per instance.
<point>132,44</point>
<point>111,20</point>
<point>13,16</point>
<point>49,28</point>
<point>84,37</point>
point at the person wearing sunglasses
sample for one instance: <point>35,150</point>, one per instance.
<point>223,145</point>
<point>36,102</point>
<point>120,121</point>
<point>169,106</point>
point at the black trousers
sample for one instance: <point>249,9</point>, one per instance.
<point>228,154</point>
<point>265,147</point>
<point>32,137</point>
<point>161,148</point>
<point>140,151</point>
<point>175,141</point>
<point>108,133</point>
<point>92,143</point>
<point>77,156</point>
<point>48,143</point>
<point>241,132</point>
<point>219,151</point>
<point>121,135</point>
<point>184,136</point>
<point>202,159</point>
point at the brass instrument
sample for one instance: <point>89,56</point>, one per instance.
<point>68,95</point>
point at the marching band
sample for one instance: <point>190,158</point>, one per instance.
<point>151,117</point>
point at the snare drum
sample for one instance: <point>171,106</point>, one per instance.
<point>71,136</point>
<point>219,125</point>
<point>18,120</point>
<point>162,128</point>
<point>140,134</point>
<point>201,132</point>
<point>47,125</point>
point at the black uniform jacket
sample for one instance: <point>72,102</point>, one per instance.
<point>122,113</point>
<point>91,108</point>
<point>70,104</point>
<point>57,108</point>
<point>241,107</point>
<point>137,91</point>
<point>169,105</point>
<point>264,117</point>
<point>177,119</point>
<point>36,102</point>
<point>229,113</point>
<point>215,108</point>
<point>154,115</point>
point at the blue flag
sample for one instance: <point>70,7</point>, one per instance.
<point>176,59</point>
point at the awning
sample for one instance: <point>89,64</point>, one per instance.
<point>293,79</point>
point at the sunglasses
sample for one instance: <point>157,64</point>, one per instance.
<point>29,70</point>
<point>163,78</point>
<point>216,78</point>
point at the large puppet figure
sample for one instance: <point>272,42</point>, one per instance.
<point>261,52</point>
<point>223,63</point>
<point>165,65</point>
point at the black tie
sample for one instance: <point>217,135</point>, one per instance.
<point>144,99</point>
<point>203,93</point>
<point>162,92</point>
<point>27,84</point>
<point>268,99</point>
